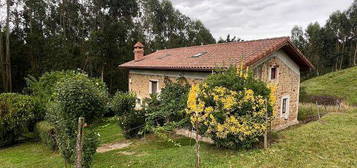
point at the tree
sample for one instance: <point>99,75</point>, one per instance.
<point>297,36</point>
<point>229,39</point>
<point>339,24</point>
<point>7,58</point>
<point>93,35</point>
<point>330,47</point>
<point>352,15</point>
<point>2,61</point>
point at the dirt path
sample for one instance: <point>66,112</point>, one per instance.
<point>113,146</point>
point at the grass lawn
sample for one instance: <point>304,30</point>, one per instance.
<point>330,142</point>
<point>342,84</point>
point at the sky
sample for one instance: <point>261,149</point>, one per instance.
<point>257,19</point>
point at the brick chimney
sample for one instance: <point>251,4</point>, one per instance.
<point>138,51</point>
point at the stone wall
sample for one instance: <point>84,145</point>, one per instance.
<point>287,82</point>
<point>139,80</point>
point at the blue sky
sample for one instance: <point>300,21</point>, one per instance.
<point>255,19</point>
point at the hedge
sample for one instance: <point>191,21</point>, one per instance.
<point>17,112</point>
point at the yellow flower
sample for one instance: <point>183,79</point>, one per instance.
<point>220,128</point>
<point>209,109</point>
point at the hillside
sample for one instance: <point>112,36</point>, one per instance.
<point>342,84</point>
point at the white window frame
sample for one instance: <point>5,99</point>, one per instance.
<point>286,115</point>
<point>150,86</point>
<point>138,105</point>
<point>276,72</point>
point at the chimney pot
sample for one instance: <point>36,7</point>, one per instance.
<point>138,51</point>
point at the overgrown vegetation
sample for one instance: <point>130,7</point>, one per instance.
<point>17,115</point>
<point>231,107</point>
<point>132,123</point>
<point>167,108</point>
<point>158,114</point>
<point>310,111</point>
<point>122,103</point>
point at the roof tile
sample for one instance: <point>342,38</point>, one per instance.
<point>215,55</point>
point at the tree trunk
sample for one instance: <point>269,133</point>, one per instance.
<point>102,73</point>
<point>197,148</point>
<point>355,56</point>
<point>3,64</point>
<point>337,57</point>
<point>343,54</point>
<point>8,59</point>
<point>79,145</point>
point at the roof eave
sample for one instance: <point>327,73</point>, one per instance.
<point>302,60</point>
<point>196,69</point>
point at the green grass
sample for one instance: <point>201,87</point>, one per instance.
<point>109,131</point>
<point>329,142</point>
<point>342,84</point>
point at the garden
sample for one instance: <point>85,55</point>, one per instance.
<point>39,127</point>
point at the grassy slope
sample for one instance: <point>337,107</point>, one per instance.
<point>342,84</point>
<point>330,142</point>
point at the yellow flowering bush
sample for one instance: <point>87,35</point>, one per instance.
<point>231,108</point>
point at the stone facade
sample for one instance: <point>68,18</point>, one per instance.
<point>287,81</point>
<point>139,80</point>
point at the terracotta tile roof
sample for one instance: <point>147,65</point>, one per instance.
<point>208,57</point>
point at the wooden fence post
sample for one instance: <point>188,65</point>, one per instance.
<point>266,130</point>
<point>79,145</point>
<point>197,146</point>
<point>318,110</point>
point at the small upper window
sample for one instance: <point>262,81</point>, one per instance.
<point>273,72</point>
<point>154,87</point>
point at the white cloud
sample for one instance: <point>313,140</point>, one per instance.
<point>254,19</point>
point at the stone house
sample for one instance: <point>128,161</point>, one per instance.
<point>274,60</point>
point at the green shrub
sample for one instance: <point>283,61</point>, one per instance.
<point>122,103</point>
<point>132,123</point>
<point>45,87</point>
<point>169,106</point>
<point>17,112</point>
<point>46,134</point>
<point>79,96</point>
<point>231,107</point>
<point>75,97</point>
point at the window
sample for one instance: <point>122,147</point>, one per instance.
<point>273,73</point>
<point>285,107</point>
<point>138,103</point>
<point>154,86</point>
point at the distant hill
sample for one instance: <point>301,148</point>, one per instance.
<point>342,84</point>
